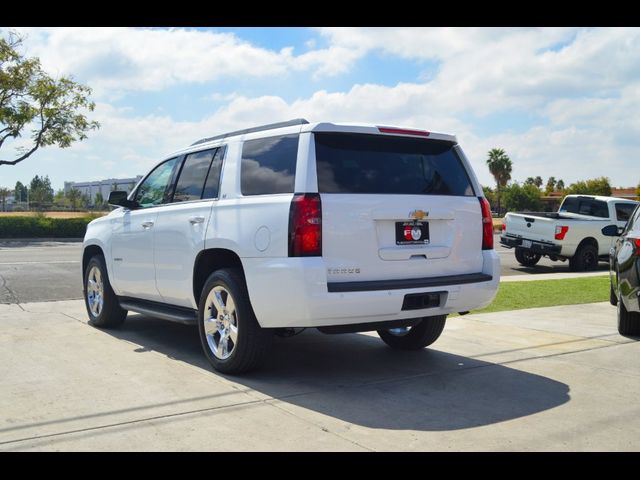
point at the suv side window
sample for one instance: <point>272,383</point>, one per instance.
<point>152,190</point>
<point>624,211</point>
<point>212,184</point>
<point>269,165</point>
<point>192,176</point>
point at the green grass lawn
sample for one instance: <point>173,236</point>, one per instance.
<point>548,293</point>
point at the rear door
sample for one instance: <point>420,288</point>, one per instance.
<point>181,226</point>
<point>395,207</point>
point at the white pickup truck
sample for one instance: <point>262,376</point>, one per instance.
<point>574,232</point>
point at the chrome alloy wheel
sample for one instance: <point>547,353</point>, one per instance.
<point>95,291</point>
<point>400,331</point>
<point>220,322</point>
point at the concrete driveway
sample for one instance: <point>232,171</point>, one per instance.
<point>557,378</point>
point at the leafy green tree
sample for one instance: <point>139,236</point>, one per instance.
<point>560,185</point>
<point>638,191</point>
<point>99,201</point>
<point>40,191</point>
<point>60,200</point>
<point>74,196</point>
<point>489,194</point>
<point>520,198</point>
<point>4,193</point>
<point>85,200</point>
<point>550,186</point>
<point>500,167</point>
<point>594,186</point>
<point>20,192</point>
<point>29,98</point>
<point>530,181</point>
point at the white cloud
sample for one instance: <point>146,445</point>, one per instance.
<point>113,60</point>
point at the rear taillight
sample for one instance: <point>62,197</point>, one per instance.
<point>636,243</point>
<point>487,224</point>
<point>305,225</point>
<point>561,231</point>
<point>504,227</point>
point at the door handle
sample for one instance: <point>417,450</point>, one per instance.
<point>196,220</point>
<point>147,225</point>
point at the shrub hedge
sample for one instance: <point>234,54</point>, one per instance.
<point>43,227</point>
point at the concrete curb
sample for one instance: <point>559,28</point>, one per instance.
<point>36,240</point>
<point>550,276</point>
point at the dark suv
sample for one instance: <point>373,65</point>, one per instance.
<point>624,268</point>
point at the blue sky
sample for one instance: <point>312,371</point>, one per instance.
<point>561,101</point>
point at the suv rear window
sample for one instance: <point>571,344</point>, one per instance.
<point>269,165</point>
<point>361,163</point>
<point>585,206</point>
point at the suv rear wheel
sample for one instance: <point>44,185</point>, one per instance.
<point>230,335</point>
<point>417,337</point>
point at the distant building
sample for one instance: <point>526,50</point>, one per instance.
<point>628,193</point>
<point>103,186</point>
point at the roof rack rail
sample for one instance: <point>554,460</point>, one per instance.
<point>270,126</point>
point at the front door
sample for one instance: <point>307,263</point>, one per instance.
<point>133,236</point>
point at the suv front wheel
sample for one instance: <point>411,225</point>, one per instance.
<point>102,304</point>
<point>231,337</point>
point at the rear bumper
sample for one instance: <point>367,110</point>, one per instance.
<point>293,292</point>
<point>536,247</point>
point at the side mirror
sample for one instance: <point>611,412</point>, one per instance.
<point>611,231</point>
<point>119,198</point>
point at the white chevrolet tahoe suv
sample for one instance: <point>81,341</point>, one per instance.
<point>273,229</point>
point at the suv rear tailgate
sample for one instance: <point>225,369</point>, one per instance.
<point>395,207</point>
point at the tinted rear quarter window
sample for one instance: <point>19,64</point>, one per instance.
<point>361,163</point>
<point>269,165</point>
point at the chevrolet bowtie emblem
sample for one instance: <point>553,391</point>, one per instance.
<point>418,214</point>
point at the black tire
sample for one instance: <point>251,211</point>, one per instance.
<point>527,257</point>
<point>628,322</point>
<point>585,259</point>
<point>253,342</point>
<point>613,300</point>
<point>110,315</point>
<point>417,337</point>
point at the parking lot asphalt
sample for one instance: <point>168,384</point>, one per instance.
<point>35,271</point>
<point>556,378</point>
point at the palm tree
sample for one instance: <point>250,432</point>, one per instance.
<point>538,181</point>
<point>500,167</point>
<point>551,185</point>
